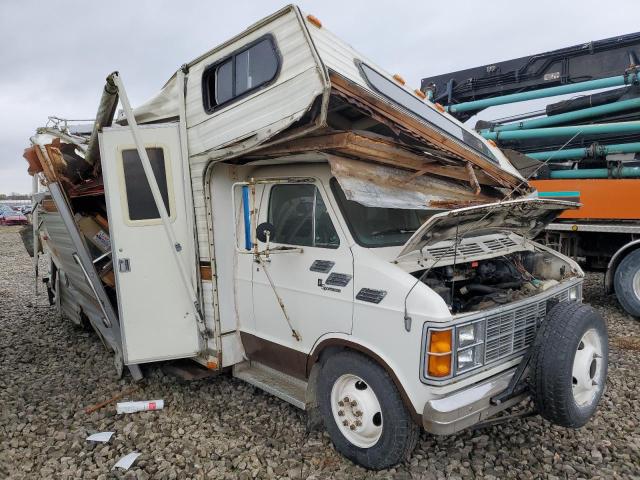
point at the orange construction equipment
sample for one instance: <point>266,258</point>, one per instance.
<point>601,199</point>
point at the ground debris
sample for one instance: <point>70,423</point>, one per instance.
<point>219,427</point>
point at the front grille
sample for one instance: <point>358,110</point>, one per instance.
<point>511,331</point>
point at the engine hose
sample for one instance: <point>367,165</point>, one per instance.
<point>480,288</point>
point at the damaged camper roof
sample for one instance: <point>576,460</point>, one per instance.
<point>322,97</point>
<point>357,96</point>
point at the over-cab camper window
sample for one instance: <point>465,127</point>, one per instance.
<point>300,217</point>
<point>140,203</point>
<point>400,96</point>
<point>240,73</point>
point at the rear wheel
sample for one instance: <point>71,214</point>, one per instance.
<point>363,412</point>
<point>626,282</point>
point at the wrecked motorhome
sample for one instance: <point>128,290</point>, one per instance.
<point>286,209</point>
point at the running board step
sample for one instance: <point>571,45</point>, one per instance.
<point>283,386</point>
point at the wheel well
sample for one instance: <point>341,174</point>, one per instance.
<point>331,346</point>
<point>615,261</point>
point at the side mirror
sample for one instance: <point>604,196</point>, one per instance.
<point>262,229</point>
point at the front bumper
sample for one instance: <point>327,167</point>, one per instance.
<point>460,410</point>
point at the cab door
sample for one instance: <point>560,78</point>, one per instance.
<point>156,313</point>
<point>311,269</point>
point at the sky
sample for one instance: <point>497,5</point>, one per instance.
<point>54,56</point>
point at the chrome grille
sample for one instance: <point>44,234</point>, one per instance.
<point>511,331</point>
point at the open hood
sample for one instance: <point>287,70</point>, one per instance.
<point>526,217</point>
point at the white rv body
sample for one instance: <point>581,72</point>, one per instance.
<point>314,143</point>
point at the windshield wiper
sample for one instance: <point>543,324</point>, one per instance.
<point>392,230</point>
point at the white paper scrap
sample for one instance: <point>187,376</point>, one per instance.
<point>126,461</point>
<point>100,437</point>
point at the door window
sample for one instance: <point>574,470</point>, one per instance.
<point>140,202</point>
<point>300,217</point>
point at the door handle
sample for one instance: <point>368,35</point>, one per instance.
<point>124,265</point>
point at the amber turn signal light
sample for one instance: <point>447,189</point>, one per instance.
<point>439,353</point>
<point>399,79</point>
<point>314,21</point>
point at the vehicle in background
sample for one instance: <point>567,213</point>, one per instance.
<point>287,209</point>
<point>584,149</point>
<point>10,216</point>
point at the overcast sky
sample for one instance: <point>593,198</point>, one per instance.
<point>54,56</point>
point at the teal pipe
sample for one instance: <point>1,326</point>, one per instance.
<point>545,92</point>
<point>599,151</point>
<point>569,131</point>
<point>568,116</point>
<point>624,172</point>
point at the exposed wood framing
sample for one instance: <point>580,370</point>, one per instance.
<point>375,148</point>
<point>439,190</point>
<point>473,179</point>
<point>429,134</point>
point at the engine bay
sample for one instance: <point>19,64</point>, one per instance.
<point>484,284</point>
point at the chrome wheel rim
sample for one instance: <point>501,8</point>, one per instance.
<point>587,368</point>
<point>356,410</point>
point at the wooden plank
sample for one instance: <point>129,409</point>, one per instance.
<point>433,136</point>
<point>375,148</point>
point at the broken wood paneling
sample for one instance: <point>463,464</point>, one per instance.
<point>428,134</point>
<point>378,149</point>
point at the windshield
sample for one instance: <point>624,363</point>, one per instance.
<point>376,226</point>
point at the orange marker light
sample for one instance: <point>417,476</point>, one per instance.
<point>492,143</point>
<point>439,355</point>
<point>399,79</point>
<point>420,93</point>
<point>440,107</point>
<point>314,21</point>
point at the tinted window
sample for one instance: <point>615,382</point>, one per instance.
<point>300,217</point>
<point>224,82</point>
<point>140,201</point>
<point>400,96</point>
<point>241,73</point>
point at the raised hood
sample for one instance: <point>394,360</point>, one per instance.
<point>526,217</point>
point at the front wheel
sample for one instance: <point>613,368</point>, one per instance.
<point>569,364</point>
<point>363,412</point>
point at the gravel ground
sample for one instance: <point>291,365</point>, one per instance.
<point>222,428</point>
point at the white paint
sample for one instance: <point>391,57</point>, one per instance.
<point>155,312</point>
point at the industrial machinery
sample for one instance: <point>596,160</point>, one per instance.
<point>585,148</point>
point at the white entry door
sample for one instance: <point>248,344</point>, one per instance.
<point>156,312</point>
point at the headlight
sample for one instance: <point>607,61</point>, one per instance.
<point>454,350</point>
<point>469,358</point>
<point>469,334</point>
<point>574,293</point>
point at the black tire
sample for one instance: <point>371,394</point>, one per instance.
<point>399,433</point>
<point>555,349</point>
<point>623,283</point>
